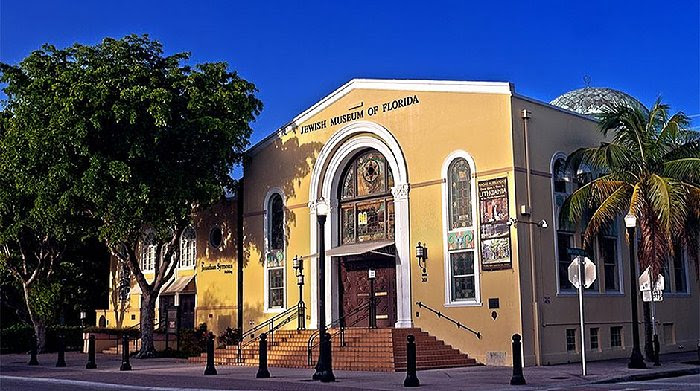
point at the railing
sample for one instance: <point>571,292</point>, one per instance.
<point>340,322</point>
<point>456,323</point>
<point>273,324</point>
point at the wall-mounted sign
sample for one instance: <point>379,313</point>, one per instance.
<point>356,114</point>
<point>495,232</point>
<point>226,267</point>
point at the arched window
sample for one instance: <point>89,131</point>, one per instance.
<point>148,251</point>
<point>274,260</point>
<point>366,203</point>
<point>188,247</point>
<point>461,264</point>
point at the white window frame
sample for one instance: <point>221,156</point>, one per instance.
<point>670,282</point>
<point>476,301</point>
<point>148,254</point>
<point>555,219</point>
<point>188,262</point>
<point>266,232</point>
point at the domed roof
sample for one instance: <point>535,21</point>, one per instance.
<point>594,100</point>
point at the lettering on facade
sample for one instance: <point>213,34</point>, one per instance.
<point>355,115</point>
<point>226,267</point>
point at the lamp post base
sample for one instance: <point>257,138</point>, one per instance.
<point>636,360</point>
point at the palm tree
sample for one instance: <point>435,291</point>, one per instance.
<point>651,169</point>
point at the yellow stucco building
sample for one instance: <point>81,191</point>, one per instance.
<point>471,170</point>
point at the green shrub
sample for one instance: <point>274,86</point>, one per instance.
<point>18,338</point>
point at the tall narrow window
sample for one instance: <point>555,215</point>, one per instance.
<point>564,233</point>
<point>148,251</point>
<point>274,262</point>
<point>461,263</point>
<point>188,247</point>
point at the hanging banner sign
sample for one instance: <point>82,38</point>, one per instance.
<point>495,231</point>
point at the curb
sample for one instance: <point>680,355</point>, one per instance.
<point>651,376</point>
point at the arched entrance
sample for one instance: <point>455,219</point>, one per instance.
<point>366,218</point>
<point>335,156</point>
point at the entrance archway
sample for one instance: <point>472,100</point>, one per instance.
<point>333,158</point>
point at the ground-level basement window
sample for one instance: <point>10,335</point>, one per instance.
<point>570,340</point>
<point>594,338</point>
<point>616,336</point>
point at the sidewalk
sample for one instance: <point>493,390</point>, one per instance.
<point>176,374</point>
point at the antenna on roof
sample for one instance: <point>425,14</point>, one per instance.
<point>587,81</point>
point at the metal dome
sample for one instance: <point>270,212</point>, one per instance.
<point>594,100</point>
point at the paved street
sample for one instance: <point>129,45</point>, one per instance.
<point>170,374</point>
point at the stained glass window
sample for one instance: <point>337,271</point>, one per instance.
<point>274,260</point>
<point>367,209</point>
<point>276,221</point>
<point>559,175</point>
<point>460,189</point>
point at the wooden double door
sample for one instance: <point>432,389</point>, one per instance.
<point>355,290</point>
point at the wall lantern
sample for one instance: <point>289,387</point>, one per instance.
<point>512,222</point>
<point>630,221</point>
<point>421,255</point>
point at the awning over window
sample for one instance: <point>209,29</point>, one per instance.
<point>361,248</point>
<point>180,284</point>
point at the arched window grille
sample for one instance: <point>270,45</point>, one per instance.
<point>188,247</point>
<point>148,251</point>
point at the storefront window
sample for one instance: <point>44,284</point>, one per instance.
<point>367,209</point>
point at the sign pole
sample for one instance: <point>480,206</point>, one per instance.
<point>581,279</point>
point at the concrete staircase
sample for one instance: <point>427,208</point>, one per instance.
<point>382,350</point>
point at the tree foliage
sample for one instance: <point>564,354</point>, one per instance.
<point>145,138</point>
<point>651,169</point>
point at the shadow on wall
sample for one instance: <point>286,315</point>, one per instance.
<point>292,163</point>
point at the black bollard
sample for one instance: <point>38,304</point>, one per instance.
<point>518,377</point>
<point>61,362</point>
<point>210,370</point>
<point>32,357</point>
<point>126,365</point>
<point>91,364</point>
<point>657,363</point>
<point>263,373</point>
<point>411,378</point>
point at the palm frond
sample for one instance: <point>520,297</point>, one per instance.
<point>607,211</point>
<point>674,131</point>
<point>685,169</point>
<point>659,196</point>
<point>587,198</point>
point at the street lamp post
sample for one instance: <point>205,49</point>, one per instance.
<point>636,359</point>
<point>298,264</point>
<point>324,370</point>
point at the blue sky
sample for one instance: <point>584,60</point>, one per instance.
<point>297,52</point>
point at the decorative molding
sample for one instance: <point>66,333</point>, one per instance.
<point>400,191</point>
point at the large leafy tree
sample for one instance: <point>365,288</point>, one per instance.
<point>649,168</point>
<point>155,138</point>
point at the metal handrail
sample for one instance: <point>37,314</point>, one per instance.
<point>337,322</point>
<point>282,319</point>
<point>456,323</point>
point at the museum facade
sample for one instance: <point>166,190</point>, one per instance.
<point>447,194</point>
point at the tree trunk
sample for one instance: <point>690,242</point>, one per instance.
<point>37,322</point>
<point>148,304</point>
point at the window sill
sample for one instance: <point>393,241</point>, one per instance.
<point>463,304</point>
<point>590,294</point>
<point>275,310</point>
